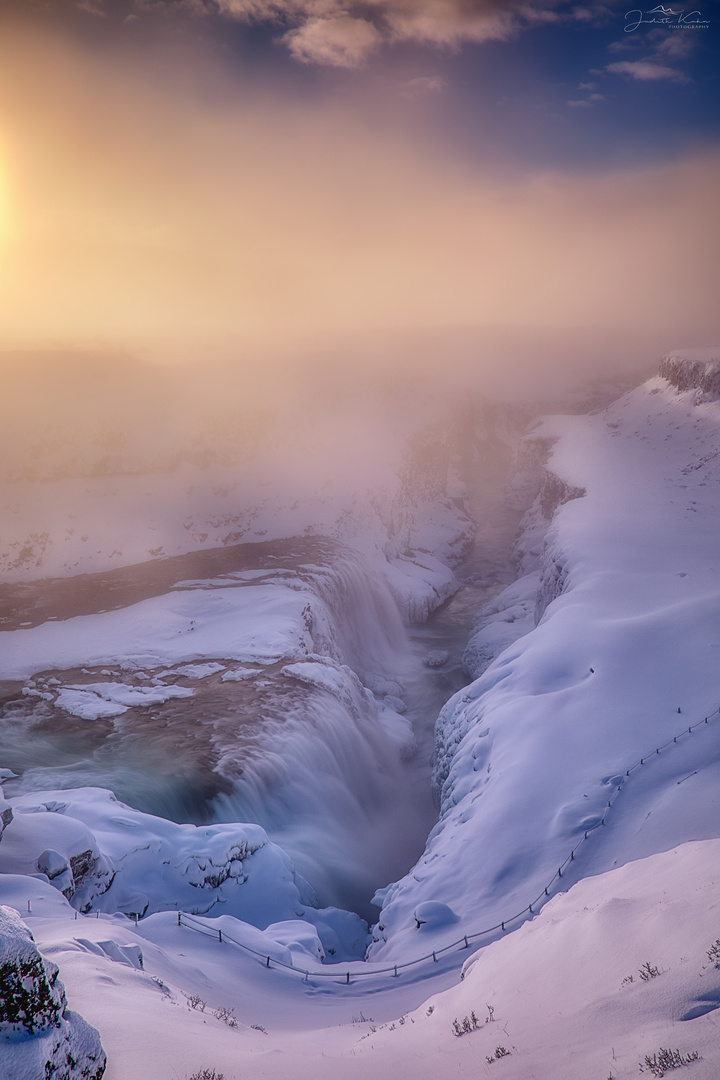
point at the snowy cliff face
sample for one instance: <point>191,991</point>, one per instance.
<point>540,564</point>
<point>152,865</point>
<point>697,369</point>
<point>532,753</point>
<point>39,1036</point>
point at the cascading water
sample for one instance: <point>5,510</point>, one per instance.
<point>312,745</point>
<point>325,739</point>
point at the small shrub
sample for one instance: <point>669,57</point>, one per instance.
<point>500,1052</point>
<point>491,1014</point>
<point>430,1010</point>
<point>467,1024</point>
<point>713,953</point>
<point>195,1002</point>
<point>627,980</point>
<point>226,1015</point>
<point>207,1074</point>
<point>258,1027</point>
<point>647,971</point>
<point>665,1059</point>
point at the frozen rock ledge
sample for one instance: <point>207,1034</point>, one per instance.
<point>40,1039</point>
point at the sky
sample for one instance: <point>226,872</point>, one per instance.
<point>372,182</point>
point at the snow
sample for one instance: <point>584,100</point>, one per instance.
<point>404,574</point>
<point>559,990</point>
<point>138,859</point>
<point>241,674</point>
<point>93,701</point>
<point>508,617</point>
<point>198,671</point>
<point>306,735</point>
<point>624,655</point>
<point>578,759</point>
<point>39,1037</point>
<point>253,623</point>
<point>87,706</point>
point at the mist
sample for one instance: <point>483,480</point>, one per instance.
<point>160,206</point>
<point>236,317</point>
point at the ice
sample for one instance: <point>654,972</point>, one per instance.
<point>198,671</point>
<point>94,701</point>
<point>335,681</point>
<point>240,674</point>
<point>87,705</point>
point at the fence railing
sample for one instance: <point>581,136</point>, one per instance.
<point>342,974</point>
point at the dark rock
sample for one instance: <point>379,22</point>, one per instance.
<point>39,1036</point>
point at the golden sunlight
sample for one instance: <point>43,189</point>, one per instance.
<point>5,208</point>
<point>145,219</point>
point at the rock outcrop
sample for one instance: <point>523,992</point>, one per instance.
<point>695,369</point>
<point>6,814</point>
<point>40,1038</point>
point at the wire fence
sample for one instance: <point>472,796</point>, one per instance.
<point>344,975</point>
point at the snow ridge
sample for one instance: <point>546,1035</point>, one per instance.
<point>627,623</point>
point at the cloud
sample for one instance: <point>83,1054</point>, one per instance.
<point>148,216</point>
<point>594,12</point>
<point>340,41</point>
<point>423,85</point>
<point>647,71</point>
<point>92,8</point>
<point>451,22</point>
<point>264,10</point>
<point>676,46</point>
<point>343,34</point>
<point>590,100</point>
<point>654,65</point>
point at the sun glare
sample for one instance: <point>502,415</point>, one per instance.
<point>4,201</point>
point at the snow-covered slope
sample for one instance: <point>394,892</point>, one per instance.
<point>565,995</point>
<point>625,657</point>
<point>585,732</point>
<point>39,1036</point>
